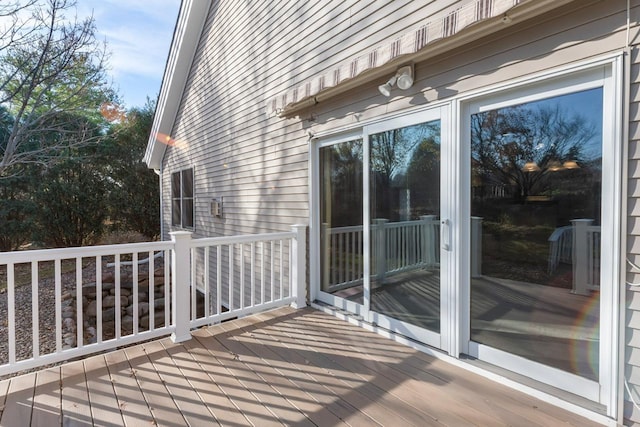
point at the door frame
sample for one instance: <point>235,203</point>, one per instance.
<point>454,336</point>
<point>439,111</point>
<point>606,73</point>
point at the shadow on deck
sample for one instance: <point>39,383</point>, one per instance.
<point>280,367</point>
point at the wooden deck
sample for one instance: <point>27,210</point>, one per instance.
<point>288,367</point>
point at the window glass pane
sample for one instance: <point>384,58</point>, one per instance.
<point>405,227</point>
<point>187,183</point>
<point>175,185</point>
<point>535,230</point>
<point>175,212</point>
<point>341,246</point>
<point>187,210</point>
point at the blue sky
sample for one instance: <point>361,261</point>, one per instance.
<point>138,34</point>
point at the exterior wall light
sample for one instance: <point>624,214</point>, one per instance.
<point>403,79</point>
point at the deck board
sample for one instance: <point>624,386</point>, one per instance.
<point>47,399</point>
<point>76,408</point>
<point>102,395</point>
<point>282,367</point>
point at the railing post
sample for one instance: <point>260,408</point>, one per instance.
<point>580,256</point>
<point>299,267</point>
<point>380,247</point>
<point>181,282</point>
<point>476,246</point>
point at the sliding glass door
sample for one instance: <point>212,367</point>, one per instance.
<point>379,224</point>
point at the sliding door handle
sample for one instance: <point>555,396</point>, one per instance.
<point>445,234</point>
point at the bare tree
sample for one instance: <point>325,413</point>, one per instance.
<point>52,68</point>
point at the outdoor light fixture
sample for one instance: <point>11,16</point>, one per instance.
<point>530,167</point>
<point>403,79</point>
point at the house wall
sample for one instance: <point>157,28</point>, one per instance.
<point>259,163</point>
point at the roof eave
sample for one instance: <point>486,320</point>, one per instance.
<point>191,19</point>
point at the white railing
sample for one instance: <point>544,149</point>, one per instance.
<point>560,244</point>
<point>395,247</point>
<point>578,245</point>
<point>404,246</point>
<point>77,301</point>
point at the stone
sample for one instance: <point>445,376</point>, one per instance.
<point>70,341</point>
<point>125,292</point>
<point>158,320</point>
<point>68,312</point>
<point>109,301</point>
<point>127,323</point>
<point>108,277</point>
<point>109,314</point>
<point>157,281</point>
<point>158,303</point>
<point>69,324</point>
<point>143,308</point>
<point>67,296</point>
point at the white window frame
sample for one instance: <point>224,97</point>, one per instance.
<point>182,198</point>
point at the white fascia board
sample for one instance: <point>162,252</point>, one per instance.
<point>191,19</point>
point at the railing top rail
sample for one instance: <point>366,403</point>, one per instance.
<point>347,229</point>
<point>250,238</point>
<point>81,251</point>
<point>559,232</point>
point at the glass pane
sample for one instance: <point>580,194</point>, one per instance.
<point>175,212</point>
<point>187,183</point>
<point>175,185</point>
<point>405,229</point>
<point>341,249</point>
<point>535,230</point>
<point>187,210</point>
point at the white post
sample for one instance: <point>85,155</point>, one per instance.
<point>580,256</point>
<point>325,233</point>
<point>380,248</point>
<point>476,246</point>
<point>181,283</point>
<point>299,267</point>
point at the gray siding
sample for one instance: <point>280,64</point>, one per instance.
<point>259,163</point>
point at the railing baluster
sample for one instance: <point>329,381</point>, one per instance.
<point>253,275</point>
<point>134,290</point>
<point>291,282</point>
<point>79,319</point>
<point>281,269</point>
<point>11,311</point>
<point>58,302</point>
<point>272,283</point>
<point>35,309</point>
<point>117,306</point>
<point>99,299</point>
<point>207,291</point>
<point>231,275</point>
<point>262,287</point>
<point>219,279</point>
<point>167,287</point>
<point>242,284</point>
<point>152,290</point>
<point>193,284</point>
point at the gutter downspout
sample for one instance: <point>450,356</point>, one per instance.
<point>160,173</point>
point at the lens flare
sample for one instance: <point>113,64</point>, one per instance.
<point>585,350</point>
<point>168,140</point>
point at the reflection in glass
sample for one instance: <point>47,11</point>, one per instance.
<point>536,172</point>
<point>342,258</point>
<point>405,232</point>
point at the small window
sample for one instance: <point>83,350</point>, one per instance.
<point>182,207</point>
